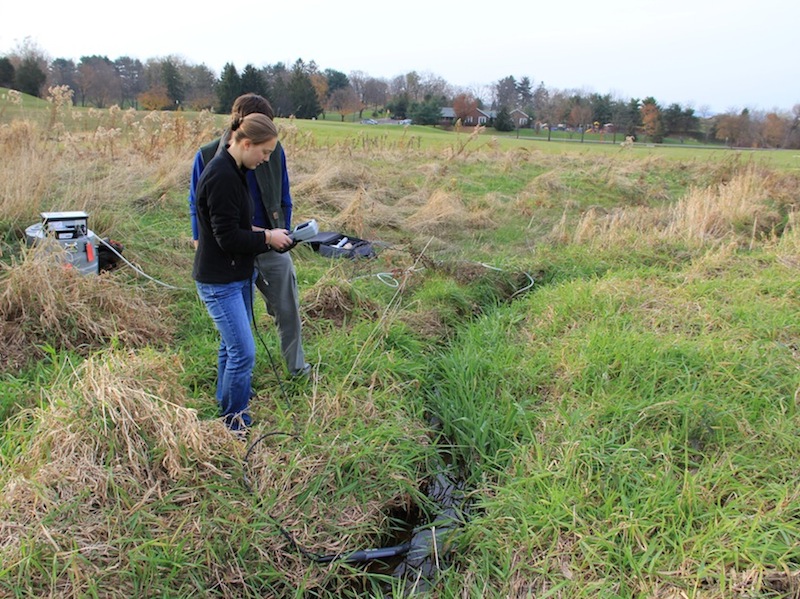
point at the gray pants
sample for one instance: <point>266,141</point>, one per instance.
<point>277,282</point>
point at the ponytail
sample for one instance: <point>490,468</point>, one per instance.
<point>256,127</point>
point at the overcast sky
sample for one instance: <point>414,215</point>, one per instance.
<point>708,54</point>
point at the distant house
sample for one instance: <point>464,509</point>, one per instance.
<point>478,116</point>
<point>474,118</point>
<point>521,120</point>
<point>448,115</point>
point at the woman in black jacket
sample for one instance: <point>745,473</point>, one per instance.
<point>224,269</point>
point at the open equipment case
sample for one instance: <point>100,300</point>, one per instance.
<point>336,245</point>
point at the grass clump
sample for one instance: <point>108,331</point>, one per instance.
<point>750,206</point>
<point>335,299</point>
<point>98,461</point>
<point>44,303</point>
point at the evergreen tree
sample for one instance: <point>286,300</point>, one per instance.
<point>398,107</point>
<point>525,94</point>
<point>253,81</point>
<point>428,112</point>
<point>601,108</point>
<point>63,72</point>
<point>671,119</point>
<point>229,88</point>
<point>302,93</point>
<point>506,93</point>
<point>29,77</point>
<point>503,120</point>
<point>631,117</point>
<point>690,124</point>
<point>540,101</point>
<point>336,80</point>
<point>6,72</point>
<point>173,83</point>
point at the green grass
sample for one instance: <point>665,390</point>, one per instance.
<point>422,136</point>
<point>626,427</point>
<point>624,432</point>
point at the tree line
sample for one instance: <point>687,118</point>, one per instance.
<point>303,90</point>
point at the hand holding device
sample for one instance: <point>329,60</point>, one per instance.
<point>302,232</point>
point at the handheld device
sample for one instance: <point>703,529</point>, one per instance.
<point>304,231</point>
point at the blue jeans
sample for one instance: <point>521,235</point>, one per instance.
<point>230,306</point>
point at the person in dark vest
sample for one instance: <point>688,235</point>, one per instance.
<point>224,263</point>
<point>272,209</point>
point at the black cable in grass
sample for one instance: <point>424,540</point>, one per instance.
<point>354,557</point>
<point>315,557</point>
<point>269,354</point>
<point>359,556</point>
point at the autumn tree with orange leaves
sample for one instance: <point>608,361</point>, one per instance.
<point>463,105</point>
<point>651,120</point>
<point>775,130</point>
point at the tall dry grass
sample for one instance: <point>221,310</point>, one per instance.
<point>110,442</point>
<point>732,208</point>
<point>45,304</point>
<point>327,183</point>
<point>348,196</point>
<point>787,247</point>
<point>366,214</point>
<point>93,160</point>
<point>115,473</point>
<point>750,206</point>
<point>441,208</point>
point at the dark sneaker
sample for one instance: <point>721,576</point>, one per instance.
<point>304,372</point>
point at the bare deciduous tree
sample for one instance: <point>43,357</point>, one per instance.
<point>775,130</point>
<point>98,81</point>
<point>376,92</point>
<point>344,101</point>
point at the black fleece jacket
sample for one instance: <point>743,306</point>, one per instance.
<point>226,243</point>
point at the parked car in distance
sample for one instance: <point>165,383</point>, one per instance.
<point>405,122</point>
<point>369,122</point>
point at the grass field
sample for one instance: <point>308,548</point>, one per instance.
<point>599,344</point>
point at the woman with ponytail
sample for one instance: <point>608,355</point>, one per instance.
<point>224,270</point>
<point>272,209</point>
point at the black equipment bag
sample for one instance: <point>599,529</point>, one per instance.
<point>336,245</point>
